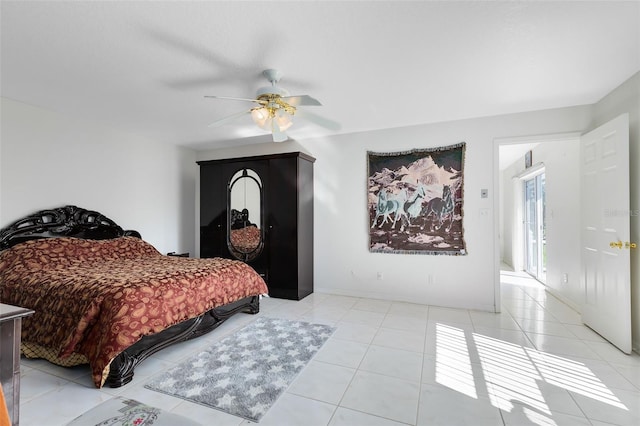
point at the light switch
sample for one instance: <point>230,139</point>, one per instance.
<point>484,193</point>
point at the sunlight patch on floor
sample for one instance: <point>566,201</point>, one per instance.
<point>519,279</point>
<point>573,376</point>
<point>538,418</point>
<point>513,373</point>
<point>509,374</point>
<point>453,364</point>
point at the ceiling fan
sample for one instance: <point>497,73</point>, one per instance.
<point>276,109</point>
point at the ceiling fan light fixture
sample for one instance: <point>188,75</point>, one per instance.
<point>267,117</point>
<point>284,119</point>
<point>261,117</point>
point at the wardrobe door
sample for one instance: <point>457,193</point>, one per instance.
<point>290,268</point>
<point>305,227</point>
<point>213,211</point>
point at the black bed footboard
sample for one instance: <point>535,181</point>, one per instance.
<point>122,366</point>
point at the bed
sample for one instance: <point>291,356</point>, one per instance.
<point>104,296</point>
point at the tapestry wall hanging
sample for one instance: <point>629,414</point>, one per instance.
<point>415,201</point>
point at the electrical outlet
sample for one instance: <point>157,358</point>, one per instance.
<point>565,278</point>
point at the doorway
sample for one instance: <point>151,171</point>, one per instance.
<point>534,232</point>
<point>586,250</point>
<point>551,254</point>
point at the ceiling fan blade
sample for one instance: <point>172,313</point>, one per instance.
<point>320,121</point>
<point>304,100</point>
<point>228,119</point>
<point>235,99</point>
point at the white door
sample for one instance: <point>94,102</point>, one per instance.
<point>605,220</point>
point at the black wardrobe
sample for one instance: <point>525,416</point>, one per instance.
<point>260,210</point>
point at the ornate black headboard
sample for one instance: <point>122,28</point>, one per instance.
<point>67,221</point>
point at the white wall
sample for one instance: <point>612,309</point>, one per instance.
<point>48,160</point>
<point>343,264</point>
<point>626,98</point>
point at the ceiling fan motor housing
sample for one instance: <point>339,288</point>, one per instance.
<point>272,90</point>
<point>274,77</point>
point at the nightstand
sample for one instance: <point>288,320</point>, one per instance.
<point>10,330</point>
<point>173,253</point>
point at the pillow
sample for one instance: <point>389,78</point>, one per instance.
<point>67,251</point>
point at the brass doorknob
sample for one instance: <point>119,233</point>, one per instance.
<point>630,245</point>
<point>614,244</point>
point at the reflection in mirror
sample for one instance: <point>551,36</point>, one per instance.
<point>244,235</point>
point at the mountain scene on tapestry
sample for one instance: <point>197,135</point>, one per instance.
<point>415,201</point>
<point>245,373</point>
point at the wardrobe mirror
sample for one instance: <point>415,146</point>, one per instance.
<point>245,237</point>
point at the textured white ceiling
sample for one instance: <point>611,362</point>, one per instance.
<point>144,67</point>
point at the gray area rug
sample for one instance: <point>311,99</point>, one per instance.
<point>245,373</point>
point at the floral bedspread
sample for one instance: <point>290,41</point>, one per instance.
<point>97,298</point>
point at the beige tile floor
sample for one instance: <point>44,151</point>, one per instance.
<point>392,363</point>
